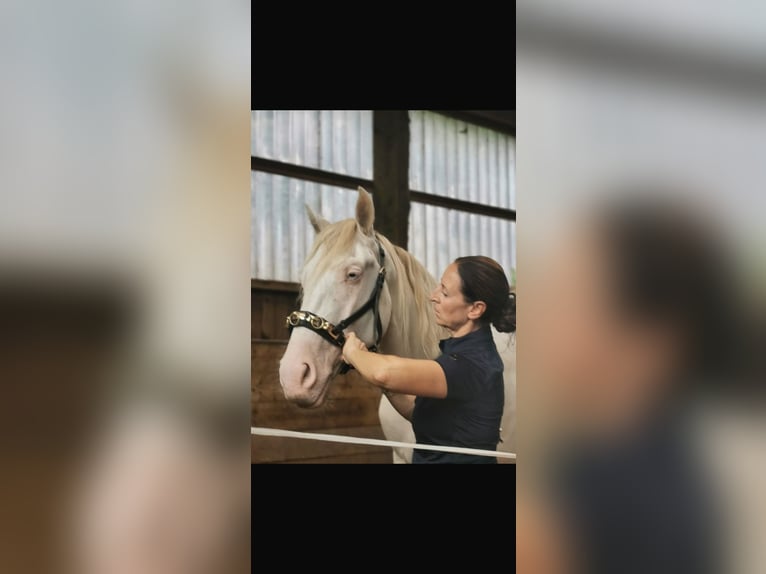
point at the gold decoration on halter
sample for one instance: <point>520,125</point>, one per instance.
<point>294,318</point>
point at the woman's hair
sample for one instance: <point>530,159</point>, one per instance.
<point>670,268</point>
<point>483,279</point>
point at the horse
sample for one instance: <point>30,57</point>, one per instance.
<point>355,272</point>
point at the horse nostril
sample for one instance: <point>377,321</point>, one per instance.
<point>308,376</point>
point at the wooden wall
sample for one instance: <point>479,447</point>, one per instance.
<point>350,408</point>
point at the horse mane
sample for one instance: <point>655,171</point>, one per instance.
<point>336,238</point>
<point>416,331</point>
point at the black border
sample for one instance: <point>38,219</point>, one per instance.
<point>331,514</point>
<point>310,57</point>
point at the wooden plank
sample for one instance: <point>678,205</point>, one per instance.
<point>264,369</point>
<point>264,363</point>
<point>333,413</point>
<point>278,286</point>
<point>267,310</point>
<point>256,316</point>
<point>361,458</point>
<point>279,449</point>
<point>284,304</point>
<point>341,387</point>
<point>274,396</point>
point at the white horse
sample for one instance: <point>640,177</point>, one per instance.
<point>338,277</point>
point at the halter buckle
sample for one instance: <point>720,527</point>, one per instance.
<point>293,319</point>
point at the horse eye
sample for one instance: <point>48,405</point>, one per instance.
<point>352,275</point>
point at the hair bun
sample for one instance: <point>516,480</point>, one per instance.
<point>505,321</point>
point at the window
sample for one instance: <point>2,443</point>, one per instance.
<point>331,140</point>
<point>336,142</point>
<point>281,234</point>
<point>461,185</point>
<point>454,159</point>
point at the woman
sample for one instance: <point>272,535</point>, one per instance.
<point>456,399</point>
<point>633,316</point>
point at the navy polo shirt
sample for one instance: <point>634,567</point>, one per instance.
<point>469,416</point>
<point>642,504</point>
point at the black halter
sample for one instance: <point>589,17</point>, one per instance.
<point>334,333</point>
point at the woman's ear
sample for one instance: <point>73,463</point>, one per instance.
<point>477,310</point>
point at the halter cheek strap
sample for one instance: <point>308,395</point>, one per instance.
<point>334,333</point>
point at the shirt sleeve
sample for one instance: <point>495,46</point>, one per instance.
<point>460,375</point>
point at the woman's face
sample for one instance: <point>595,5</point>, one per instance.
<point>592,361</point>
<point>450,306</point>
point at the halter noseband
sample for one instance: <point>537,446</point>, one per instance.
<point>334,333</point>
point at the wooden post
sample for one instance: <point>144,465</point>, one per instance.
<point>391,149</point>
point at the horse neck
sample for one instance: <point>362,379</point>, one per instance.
<point>412,331</point>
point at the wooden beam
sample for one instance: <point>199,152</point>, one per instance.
<point>282,286</point>
<point>469,206</point>
<point>287,450</point>
<point>308,173</point>
<point>498,120</point>
<point>391,147</point>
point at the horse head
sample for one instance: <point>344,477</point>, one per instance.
<point>339,276</point>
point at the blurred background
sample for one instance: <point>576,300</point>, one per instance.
<point>443,184</point>
<point>123,214</point>
<point>643,276</point>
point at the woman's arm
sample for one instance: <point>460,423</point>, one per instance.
<point>419,377</point>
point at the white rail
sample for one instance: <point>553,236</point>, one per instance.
<point>261,431</point>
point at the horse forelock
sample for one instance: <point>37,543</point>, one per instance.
<point>333,242</point>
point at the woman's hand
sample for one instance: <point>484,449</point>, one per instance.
<point>353,344</point>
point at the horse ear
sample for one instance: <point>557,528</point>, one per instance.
<point>317,221</point>
<point>365,212</point>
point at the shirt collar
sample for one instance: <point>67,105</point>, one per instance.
<point>477,337</point>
